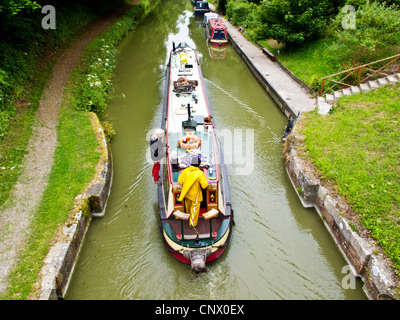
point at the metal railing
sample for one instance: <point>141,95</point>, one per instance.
<point>358,69</point>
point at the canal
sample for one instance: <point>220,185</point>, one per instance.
<point>278,249</point>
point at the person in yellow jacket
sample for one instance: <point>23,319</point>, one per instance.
<point>192,180</point>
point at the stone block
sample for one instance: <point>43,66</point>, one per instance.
<point>347,92</point>
<point>294,162</point>
<point>380,277</point>
<point>358,250</point>
<point>355,90</point>
<point>330,205</point>
<point>392,79</point>
<point>337,95</point>
<point>382,82</point>
<point>324,108</point>
<point>364,87</point>
<point>330,98</point>
<point>322,193</point>
<point>374,84</point>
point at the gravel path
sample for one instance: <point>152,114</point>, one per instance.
<point>26,195</point>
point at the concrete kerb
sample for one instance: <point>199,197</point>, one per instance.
<point>60,261</point>
<point>379,280</point>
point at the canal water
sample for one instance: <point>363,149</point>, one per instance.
<point>278,249</point>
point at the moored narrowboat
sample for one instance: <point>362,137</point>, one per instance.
<point>208,16</point>
<point>190,134</point>
<point>216,32</point>
<point>201,7</point>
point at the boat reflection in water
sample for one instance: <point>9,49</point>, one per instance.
<point>217,52</point>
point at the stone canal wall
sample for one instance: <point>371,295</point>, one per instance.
<point>60,261</point>
<point>360,252</point>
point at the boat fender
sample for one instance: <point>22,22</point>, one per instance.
<point>197,259</point>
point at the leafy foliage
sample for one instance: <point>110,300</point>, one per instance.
<point>293,22</point>
<point>242,12</point>
<point>11,7</point>
<point>377,29</point>
<point>23,42</point>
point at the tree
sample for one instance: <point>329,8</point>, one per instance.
<point>377,29</point>
<point>293,21</point>
<point>10,7</point>
<point>221,5</point>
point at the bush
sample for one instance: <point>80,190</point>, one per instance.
<point>242,13</point>
<point>294,22</point>
<point>377,30</point>
<point>315,83</point>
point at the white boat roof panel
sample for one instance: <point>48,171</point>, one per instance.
<point>184,69</point>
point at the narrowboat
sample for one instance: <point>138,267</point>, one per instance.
<point>201,7</point>
<point>216,32</point>
<point>190,132</point>
<point>208,16</point>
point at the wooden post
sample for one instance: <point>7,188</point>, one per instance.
<point>322,86</point>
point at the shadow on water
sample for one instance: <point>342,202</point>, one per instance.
<point>278,249</point>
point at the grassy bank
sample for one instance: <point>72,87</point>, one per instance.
<point>76,155</point>
<point>321,58</point>
<point>74,162</point>
<point>14,144</point>
<point>27,54</point>
<point>357,149</point>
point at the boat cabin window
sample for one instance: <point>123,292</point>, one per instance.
<point>219,34</point>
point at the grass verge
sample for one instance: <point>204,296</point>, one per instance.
<point>75,159</point>
<point>310,62</point>
<point>13,146</point>
<point>357,148</point>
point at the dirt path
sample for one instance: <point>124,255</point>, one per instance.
<point>27,192</point>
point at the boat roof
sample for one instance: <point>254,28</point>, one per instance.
<point>216,23</point>
<point>202,5</point>
<point>190,71</point>
<point>185,69</point>
<point>208,16</point>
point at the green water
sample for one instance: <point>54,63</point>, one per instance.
<point>278,249</point>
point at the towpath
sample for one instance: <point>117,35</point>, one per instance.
<point>288,91</point>
<point>16,218</point>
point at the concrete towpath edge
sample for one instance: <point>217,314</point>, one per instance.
<point>61,259</point>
